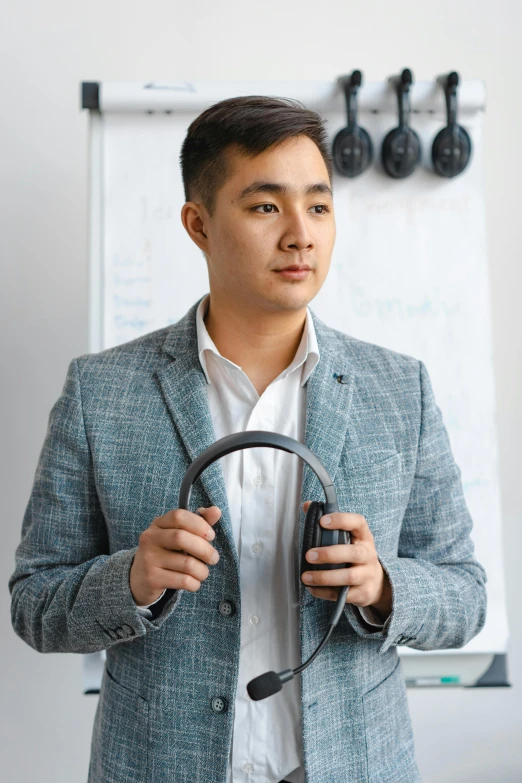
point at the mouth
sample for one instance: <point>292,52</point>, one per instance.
<point>294,272</point>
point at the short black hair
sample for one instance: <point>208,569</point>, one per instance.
<point>254,123</point>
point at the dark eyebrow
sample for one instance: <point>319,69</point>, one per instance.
<point>276,187</point>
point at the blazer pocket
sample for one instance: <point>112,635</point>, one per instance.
<point>389,736</point>
<point>119,751</point>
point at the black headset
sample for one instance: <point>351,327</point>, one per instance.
<point>451,147</point>
<point>352,146</point>
<point>401,148</point>
<point>314,535</point>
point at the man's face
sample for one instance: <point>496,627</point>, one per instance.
<point>286,217</point>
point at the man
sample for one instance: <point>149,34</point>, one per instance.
<point>108,561</point>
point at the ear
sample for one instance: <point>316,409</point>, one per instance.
<point>193,217</point>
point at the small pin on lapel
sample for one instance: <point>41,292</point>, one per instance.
<point>340,378</point>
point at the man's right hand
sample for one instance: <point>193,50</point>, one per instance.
<point>172,553</point>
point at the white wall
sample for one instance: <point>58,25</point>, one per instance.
<point>46,50</point>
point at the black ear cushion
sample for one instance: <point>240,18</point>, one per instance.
<point>445,162</point>
<point>401,152</point>
<point>311,533</point>
<point>352,151</point>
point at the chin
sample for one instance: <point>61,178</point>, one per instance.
<point>292,300</point>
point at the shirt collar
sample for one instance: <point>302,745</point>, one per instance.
<point>307,353</point>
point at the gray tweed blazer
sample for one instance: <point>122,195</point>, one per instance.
<point>120,437</point>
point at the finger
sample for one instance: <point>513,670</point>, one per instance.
<point>177,580</point>
<point>355,575</point>
<point>326,593</point>
<point>344,520</point>
<point>340,553</point>
<point>199,523</point>
<point>183,563</point>
<point>181,540</point>
<point>211,515</point>
<point>355,595</point>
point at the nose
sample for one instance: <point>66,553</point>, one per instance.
<point>297,234</point>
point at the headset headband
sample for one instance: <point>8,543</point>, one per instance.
<point>252,439</point>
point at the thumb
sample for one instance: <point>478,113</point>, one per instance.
<point>212,514</point>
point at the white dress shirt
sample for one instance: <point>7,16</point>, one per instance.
<point>263,488</point>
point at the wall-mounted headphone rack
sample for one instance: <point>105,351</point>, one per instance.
<point>353,150</point>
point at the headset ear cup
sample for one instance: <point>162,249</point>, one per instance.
<point>352,151</point>
<point>311,533</point>
<point>401,152</point>
<point>445,162</point>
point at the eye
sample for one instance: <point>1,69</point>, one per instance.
<point>254,209</point>
<point>324,207</point>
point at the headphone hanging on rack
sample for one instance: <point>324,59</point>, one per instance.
<point>451,149</point>
<point>314,535</point>
<point>352,146</point>
<point>401,148</point>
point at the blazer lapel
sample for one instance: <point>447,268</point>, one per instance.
<point>183,385</point>
<point>328,399</point>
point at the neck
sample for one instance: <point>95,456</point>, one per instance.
<point>262,345</point>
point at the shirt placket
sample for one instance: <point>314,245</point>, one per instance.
<point>257,555</point>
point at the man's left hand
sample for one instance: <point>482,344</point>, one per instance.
<point>369,583</point>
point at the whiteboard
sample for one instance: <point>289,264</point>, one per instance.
<point>409,271</point>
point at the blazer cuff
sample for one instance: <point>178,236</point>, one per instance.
<point>372,617</point>
<point>120,602</point>
<point>397,629</point>
<point>145,610</point>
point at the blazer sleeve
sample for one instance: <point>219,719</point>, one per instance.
<point>68,593</point>
<point>439,596</point>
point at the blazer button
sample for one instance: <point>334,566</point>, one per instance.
<point>219,704</point>
<point>227,608</point>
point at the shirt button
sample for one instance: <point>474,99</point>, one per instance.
<point>257,480</point>
<point>247,768</point>
<point>257,547</point>
<point>253,620</point>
